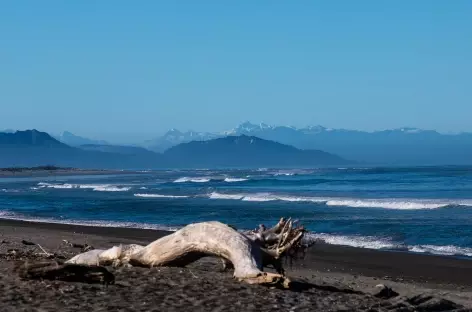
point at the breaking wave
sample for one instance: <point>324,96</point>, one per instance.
<point>448,250</point>
<point>387,204</point>
<point>98,223</point>
<point>95,187</point>
<point>371,242</point>
<point>208,179</point>
<point>235,179</point>
<point>159,196</point>
<point>293,172</point>
<point>194,180</point>
<point>403,204</point>
<point>216,195</point>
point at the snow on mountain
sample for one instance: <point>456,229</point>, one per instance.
<point>396,146</point>
<point>174,137</point>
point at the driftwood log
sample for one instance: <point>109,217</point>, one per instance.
<point>247,252</point>
<point>51,270</point>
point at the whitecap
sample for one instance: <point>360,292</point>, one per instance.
<point>387,204</point>
<point>399,204</point>
<point>216,195</point>
<point>111,189</point>
<point>372,242</point>
<point>94,187</point>
<point>259,198</point>
<point>160,196</point>
<point>235,179</point>
<point>194,180</point>
<point>369,242</point>
<point>448,250</point>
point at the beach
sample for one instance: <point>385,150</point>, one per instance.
<point>329,278</point>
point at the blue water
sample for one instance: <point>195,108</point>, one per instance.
<point>418,209</point>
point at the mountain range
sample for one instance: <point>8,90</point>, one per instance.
<point>403,146</point>
<point>34,148</point>
<point>75,140</point>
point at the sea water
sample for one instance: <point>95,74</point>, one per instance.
<point>416,209</point>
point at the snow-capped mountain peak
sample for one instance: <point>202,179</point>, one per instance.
<point>248,127</point>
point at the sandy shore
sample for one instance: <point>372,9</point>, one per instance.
<point>330,278</point>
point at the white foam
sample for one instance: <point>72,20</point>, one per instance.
<point>371,242</point>
<point>387,204</point>
<point>399,204</point>
<point>235,180</point>
<point>95,187</point>
<point>159,196</point>
<point>302,199</point>
<point>257,197</point>
<point>112,189</point>
<point>56,186</point>
<point>448,250</point>
<point>216,195</point>
<point>354,241</point>
<point>194,180</point>
<point>143,188</point>
<point>261,197</point>
<point>293,172</point>
<point>11,216</point>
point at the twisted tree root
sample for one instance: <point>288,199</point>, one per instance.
<point>248,252</point>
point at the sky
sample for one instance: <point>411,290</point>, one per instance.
<point>116,69</point>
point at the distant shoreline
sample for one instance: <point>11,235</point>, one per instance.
<point>44,171</point>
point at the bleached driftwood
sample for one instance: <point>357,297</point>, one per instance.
<point>248,252</point>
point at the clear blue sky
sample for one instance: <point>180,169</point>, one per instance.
<point>136,68</point>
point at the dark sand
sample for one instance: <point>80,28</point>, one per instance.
<point>330,278</point>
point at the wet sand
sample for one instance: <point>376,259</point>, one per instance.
<point>330,278</point>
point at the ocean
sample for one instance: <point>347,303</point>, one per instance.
<point>414,209</point>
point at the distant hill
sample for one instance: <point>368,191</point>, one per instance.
<point>31,148</point>
<point>117,149</point>
<point>75,140</point>
<point>133,157</point>
<point>30,138</point>
<point>34,148</point>
<point>247,151</point>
